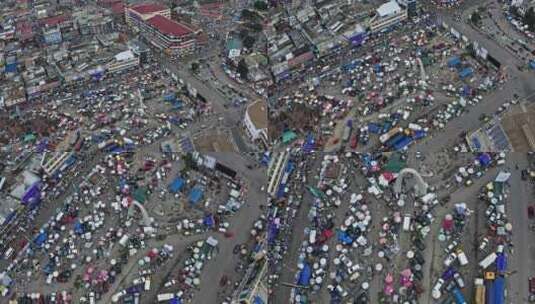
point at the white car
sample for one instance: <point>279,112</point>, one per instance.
<point>450,259</point>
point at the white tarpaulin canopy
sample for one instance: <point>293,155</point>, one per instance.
<point>502,177</point>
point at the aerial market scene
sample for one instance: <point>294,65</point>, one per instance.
<point>254,152</point>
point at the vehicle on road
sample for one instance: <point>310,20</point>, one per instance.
<point>531,212</point>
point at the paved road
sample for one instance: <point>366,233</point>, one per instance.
<point>281,294</point>
<point>240,224</point>
<point>523,257</point>
<point>521,83</point>
<point>231,117</point>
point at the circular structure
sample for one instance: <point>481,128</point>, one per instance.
<point>420,187</point>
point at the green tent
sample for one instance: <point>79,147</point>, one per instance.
<point>29,137</point>
<point>140,195</point>
<point>395,163</point>
<point>316,192</point>
<point>288,136</point>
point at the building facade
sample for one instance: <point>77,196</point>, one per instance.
<point>256,122</point>
<point>387,15</point>
<point>153,22</point>
<point>123,61</point>
<point>136,15</point>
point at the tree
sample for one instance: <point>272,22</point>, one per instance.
<point>247,14</point>
<point>255,27</point>
<point>243,33</point>
<point>260,5</point>
<point>529,19</point>
<point>243,70</point>
<point>195,67</point>
<point>249,41</point>
<point>475,18</point>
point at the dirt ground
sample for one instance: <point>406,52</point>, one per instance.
<point>513,125</point>
<point>215,141</point>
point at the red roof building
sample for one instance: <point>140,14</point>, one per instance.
<point>137,14</point>
<point>24,31</point>
<point>169,27</point>
<point>149,8</point>
<point>154,22</point>
<point>55,20</point>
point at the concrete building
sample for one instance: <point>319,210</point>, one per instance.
<point>51,164</point>
<point>94,22</point>
<point>276,168</point>
<point>123,61</point>
<point>386,15</point>
<point>256,121</point>
<point>411,6</point>
<point>138,14</point>
<point>154,24</point>
<point>52,35</point>
<point>170,36</point>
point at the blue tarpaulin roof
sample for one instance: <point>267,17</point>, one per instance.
<point>78,228</point>
<point>402,143</point>
<point>209,221</point>
<point>175,301</point>
<point>258,300</point>
<point>499,290</point>
<point>419,134</point>
<point>501,262</point>
<point>466,72</point>
<point>484,159</point>
<point>308,145</point>
<point>304,276</point>
<point>40,239</point>
<point>343,237</point>
<point>265,159</point>
<point>10,68</point>
<point>176,185</point>
<point>196,195</point>
<point>454,61</point>
<point>374,128</point>
<point>281,192</point>
<point>273,231</point>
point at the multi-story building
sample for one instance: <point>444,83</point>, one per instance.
<point>154,24</point>
<point>411,6</point>
<point>275,172</point>
<point>94,22</point>
<point>123,61</point>
<point>388,14</point>
<point>52,35</point>
<point>136,15</point>
<point>256,121</point>
<point>172,37</point>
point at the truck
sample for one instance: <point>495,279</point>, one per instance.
<point>499,290</point>
<point>489,291</point>
<point>165,297</point>
<point>461,256</point>
<point>385,137</point>
<point>347,131</point>
<point>489,259</point>
<point>407,222</point>
<point>312,236</point>
<point>480,291</point>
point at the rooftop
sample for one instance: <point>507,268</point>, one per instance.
<point>148,8</point>
<point>258,113</point>
<point>169,27</point>
<point>389,8</point>
<point>55,20</point>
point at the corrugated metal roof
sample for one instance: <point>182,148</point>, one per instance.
<point>169,27</point>
<point>148,8</point>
